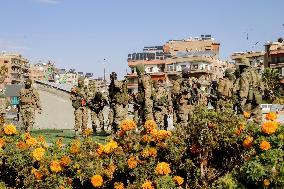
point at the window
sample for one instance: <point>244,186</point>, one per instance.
<point>195,66</point>
<point>182,67</point>
<point>6,61</point>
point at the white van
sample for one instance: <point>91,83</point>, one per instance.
<point>266,108</point>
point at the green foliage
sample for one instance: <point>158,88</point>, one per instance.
<point>271,80</point>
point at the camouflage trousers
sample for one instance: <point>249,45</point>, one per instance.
<point>81,118</point>
<point>97,115</point>
<point>28,117</point>
<point>2,120</point>
<point>117,114</point>
<point>182,115</point>
<point>255,111</point>
<point>161,116</point>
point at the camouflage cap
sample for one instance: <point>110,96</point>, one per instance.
<point>229,71</point>
<point>140,69</point>
<point>92,82</point>
<point>243,62</point>
<point>28,82</point>
<point>81,79</point>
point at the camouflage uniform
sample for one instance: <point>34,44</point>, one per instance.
<point>144,95</point>
<point>174,95</point>
<point>185,99</point>
<point>29,103</point>
<point>118,101</point>
<point>78,97</point>
<point>250,91</point>
<point>225,90</point>
<point>213,94</point>
<point>3,103</point>
<point>162,103</point>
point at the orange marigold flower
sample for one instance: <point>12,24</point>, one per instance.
<point>163,134</point>
<point>74,148</point>
<point>266,183</point>
<point>22,145</point>
<point>147,185</point>
<point>62,187</point>
<point>55,166</point>
<point>59,143</point>
<point>150,125</point>
<point>41,139</point>
<point>27,135</point>
<point>154,132</point>
<point>179,180</point>
<point>97,180</point>
<point>272,116</point>
<point>2,142</point>
<point>100,149</point>
<point>110,147</point>
<point>132,162</point>
<point>65,161</point>
<point>240,129</point>
<point>269,127</point>
<point>127,125</point>
<point>247,143</point>
<point>31,141</point>
<point>153,152</point>
<point>38,153</point>
<point>37,174</point>
<point>146,138</point>
<point>112,167</point>
<point>246,115</point>
<point>163,168</point>
<point>145,153</point>
<point>87,132</point>
<point>264,145</point>
<point>10,129</point>
<point>118,185</point>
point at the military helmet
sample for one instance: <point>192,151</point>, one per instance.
<point>243,62</point>
<point>92,82</point>
<point>28,82</point>
<point>113,75</point>
<point>229,71</point>
<point>140,69</point>
<point>185,72</point>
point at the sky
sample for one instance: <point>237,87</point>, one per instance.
<point>88,34</point>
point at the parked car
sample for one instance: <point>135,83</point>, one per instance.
<point>265,108</point>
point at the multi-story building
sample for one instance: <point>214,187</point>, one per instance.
<point>256,59</point>
<point>274,56</point>
<point>18,68</point>
<point>37,72</point>
<point>165,62</point>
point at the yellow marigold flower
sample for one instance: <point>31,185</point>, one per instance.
<point>112,167</point>
<point>118,185</point>
<point>97,180</point>
<point>153,152</point>
<point>100,149</point>
<point>74,148</point>
<point>127,125</point>
<point>41,139</point>
<point>132,163</point>
<point>88,132</point>
<point>59,143</point>
<point>146,138</point>
<point>62,187</point>
<point>38,153</point>
<point>145,153</point>
<point>65,161</point>
<point>2,142</point>
<point>110,146</point>
<point>266,183</point>
<point>150,125</point>
<point>246,115</point>
<point>31,141</point>
<point>163,168</point>
<point>163,134</point>
<point>271,116</point>
<point>55,166</point>
<point>37,174</point>
<point>22,145</point>
<point>269,127</point>
<point>27,135</point>
<point>10,129</point>
<point>247,143</point>
<point>179,180</point>
<point>154,132</point>
<point>264,145</point>
<point>147,185</point>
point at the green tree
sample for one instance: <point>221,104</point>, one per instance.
<point>270,78</point>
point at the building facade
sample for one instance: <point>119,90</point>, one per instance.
<point>274,56</point>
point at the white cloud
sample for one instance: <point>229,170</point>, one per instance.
<point>50,1</point>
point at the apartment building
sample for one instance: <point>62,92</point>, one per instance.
<point>256,59</point>
<point>18,68</point>
<point>274,56</point>
<point>165,62</point>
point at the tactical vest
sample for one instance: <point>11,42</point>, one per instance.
<point>80,101</point>
<point>27,96</point>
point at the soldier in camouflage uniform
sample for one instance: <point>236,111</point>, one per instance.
<point>225,90</point>
<point>174,95</point>
<point>144,95</point>
<point>250,90</point>
<point>118,97</point>
<point>162,105</point>
<point>185,99</point>
<point>213,94</point>
<point>3,100</point>
<point>78,97</point>
<point>29,103</point>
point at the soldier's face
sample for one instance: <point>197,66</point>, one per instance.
<point>80,83</point>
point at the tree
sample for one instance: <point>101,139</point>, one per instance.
<point>271,80</point>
